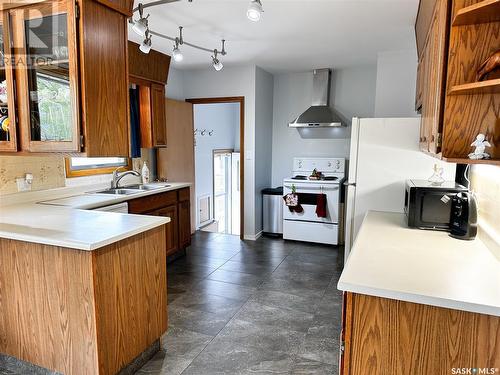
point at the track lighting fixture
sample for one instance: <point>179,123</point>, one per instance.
<point>141,25</point>
<point>145,46</point>
<point>255,10</point>
<point>216,62</point>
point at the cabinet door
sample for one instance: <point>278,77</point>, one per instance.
<point>44,36</point>
<point>8,134</point>
<point>158,115</point>
<point>432,81</point>
<point>172,228</point>
<point>104,79</point>
<point>184,224</point>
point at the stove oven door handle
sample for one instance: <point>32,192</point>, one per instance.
<point>321,187</point>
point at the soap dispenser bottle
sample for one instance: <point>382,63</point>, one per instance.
<point>145,173</point>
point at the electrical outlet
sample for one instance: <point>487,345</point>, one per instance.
<point>24,183</point>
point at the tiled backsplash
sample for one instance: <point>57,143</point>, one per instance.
<point>48,172</point>
<point>485,182</point>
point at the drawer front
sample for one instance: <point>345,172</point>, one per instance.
<point>152,202</point>
<point>184,195</point>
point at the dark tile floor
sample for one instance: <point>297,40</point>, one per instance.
<point>253,307</point>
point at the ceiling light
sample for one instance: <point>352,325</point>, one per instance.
<point>255,10</point>
<point>216,62</point>
<point>141,25</point>
<point>145,47</point>
<point>177,54</point>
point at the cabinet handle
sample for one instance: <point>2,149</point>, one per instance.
<point>424,139</point>
<point>432,138</point>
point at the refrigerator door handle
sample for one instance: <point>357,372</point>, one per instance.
<point>347,183</point>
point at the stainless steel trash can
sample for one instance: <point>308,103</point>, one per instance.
<point>272,210</point>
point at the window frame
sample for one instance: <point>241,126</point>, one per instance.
<point>71,173</point>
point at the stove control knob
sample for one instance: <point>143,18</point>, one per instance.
<point>329,163</point>
<point>338,164</point>
<point>300,163</point>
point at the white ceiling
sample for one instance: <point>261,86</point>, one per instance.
<point>292,35</point>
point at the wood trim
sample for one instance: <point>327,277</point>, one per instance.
<point>241,100</point>
<point>9,146</point>
<point>111,5</point>
<point>93,171</point>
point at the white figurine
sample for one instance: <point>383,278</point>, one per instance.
<point>480,143</point>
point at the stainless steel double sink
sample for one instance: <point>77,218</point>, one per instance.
<point>132,189</point>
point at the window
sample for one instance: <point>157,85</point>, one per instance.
<point>77,167</point>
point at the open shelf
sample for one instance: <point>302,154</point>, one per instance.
<point>484,11</point>
<point>491,86</point>
<point>470,161</point>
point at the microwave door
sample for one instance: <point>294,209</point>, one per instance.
<point>434,211</point>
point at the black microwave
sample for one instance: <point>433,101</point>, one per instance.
<point>427,205</point>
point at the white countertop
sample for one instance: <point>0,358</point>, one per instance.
<point>390,260</point>
<point>72,226</point>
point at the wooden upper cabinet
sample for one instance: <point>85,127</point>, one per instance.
<point>104,75</point>
<point>159,124</point>
<point>472,106</point>
<point>149,73</point>
<point>8,133</point>
<point>431,70</point>
<point>454,38</point>
<point>71,82</point>
<point>44,38</point>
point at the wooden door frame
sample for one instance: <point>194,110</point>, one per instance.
<point>241,100</point>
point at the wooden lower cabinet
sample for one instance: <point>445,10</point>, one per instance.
<point>83,312</point>
<point>384,336</point>
<point>174,204</point>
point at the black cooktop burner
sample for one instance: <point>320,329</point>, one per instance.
<point>330,178</point>
<point>299,177</point>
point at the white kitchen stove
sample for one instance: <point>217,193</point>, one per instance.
<point>306,225</point>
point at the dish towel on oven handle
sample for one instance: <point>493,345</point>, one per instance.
<point>321,205</point>
<point>292,201</point>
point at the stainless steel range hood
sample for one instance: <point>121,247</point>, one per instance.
<point>319,114</point>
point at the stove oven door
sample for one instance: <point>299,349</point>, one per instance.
<point>307,198</point>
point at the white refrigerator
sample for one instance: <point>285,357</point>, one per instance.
<point>384,154</point>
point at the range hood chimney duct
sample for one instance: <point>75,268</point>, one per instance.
<point>319,114</point>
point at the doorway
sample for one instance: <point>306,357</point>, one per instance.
<point>219,170</point>
<point>226,192</point>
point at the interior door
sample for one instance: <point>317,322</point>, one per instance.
<point>44,37</point>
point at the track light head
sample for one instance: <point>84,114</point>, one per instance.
<point>255,10</point>
<point>141,25</point>
<point>145,46</point>
<point>176,53</point>
<point>216,62</point>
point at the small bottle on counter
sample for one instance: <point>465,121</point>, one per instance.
<point>145,173</point>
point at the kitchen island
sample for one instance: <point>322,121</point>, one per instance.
<point>81,292</point>
<point>418,302</point>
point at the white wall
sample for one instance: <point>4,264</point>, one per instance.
<point>264,85</point>
<point>352,94</point>
<point>224,120</point>
<point>396,83</point>
<point>231,81</point>
<point>175,84</point>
